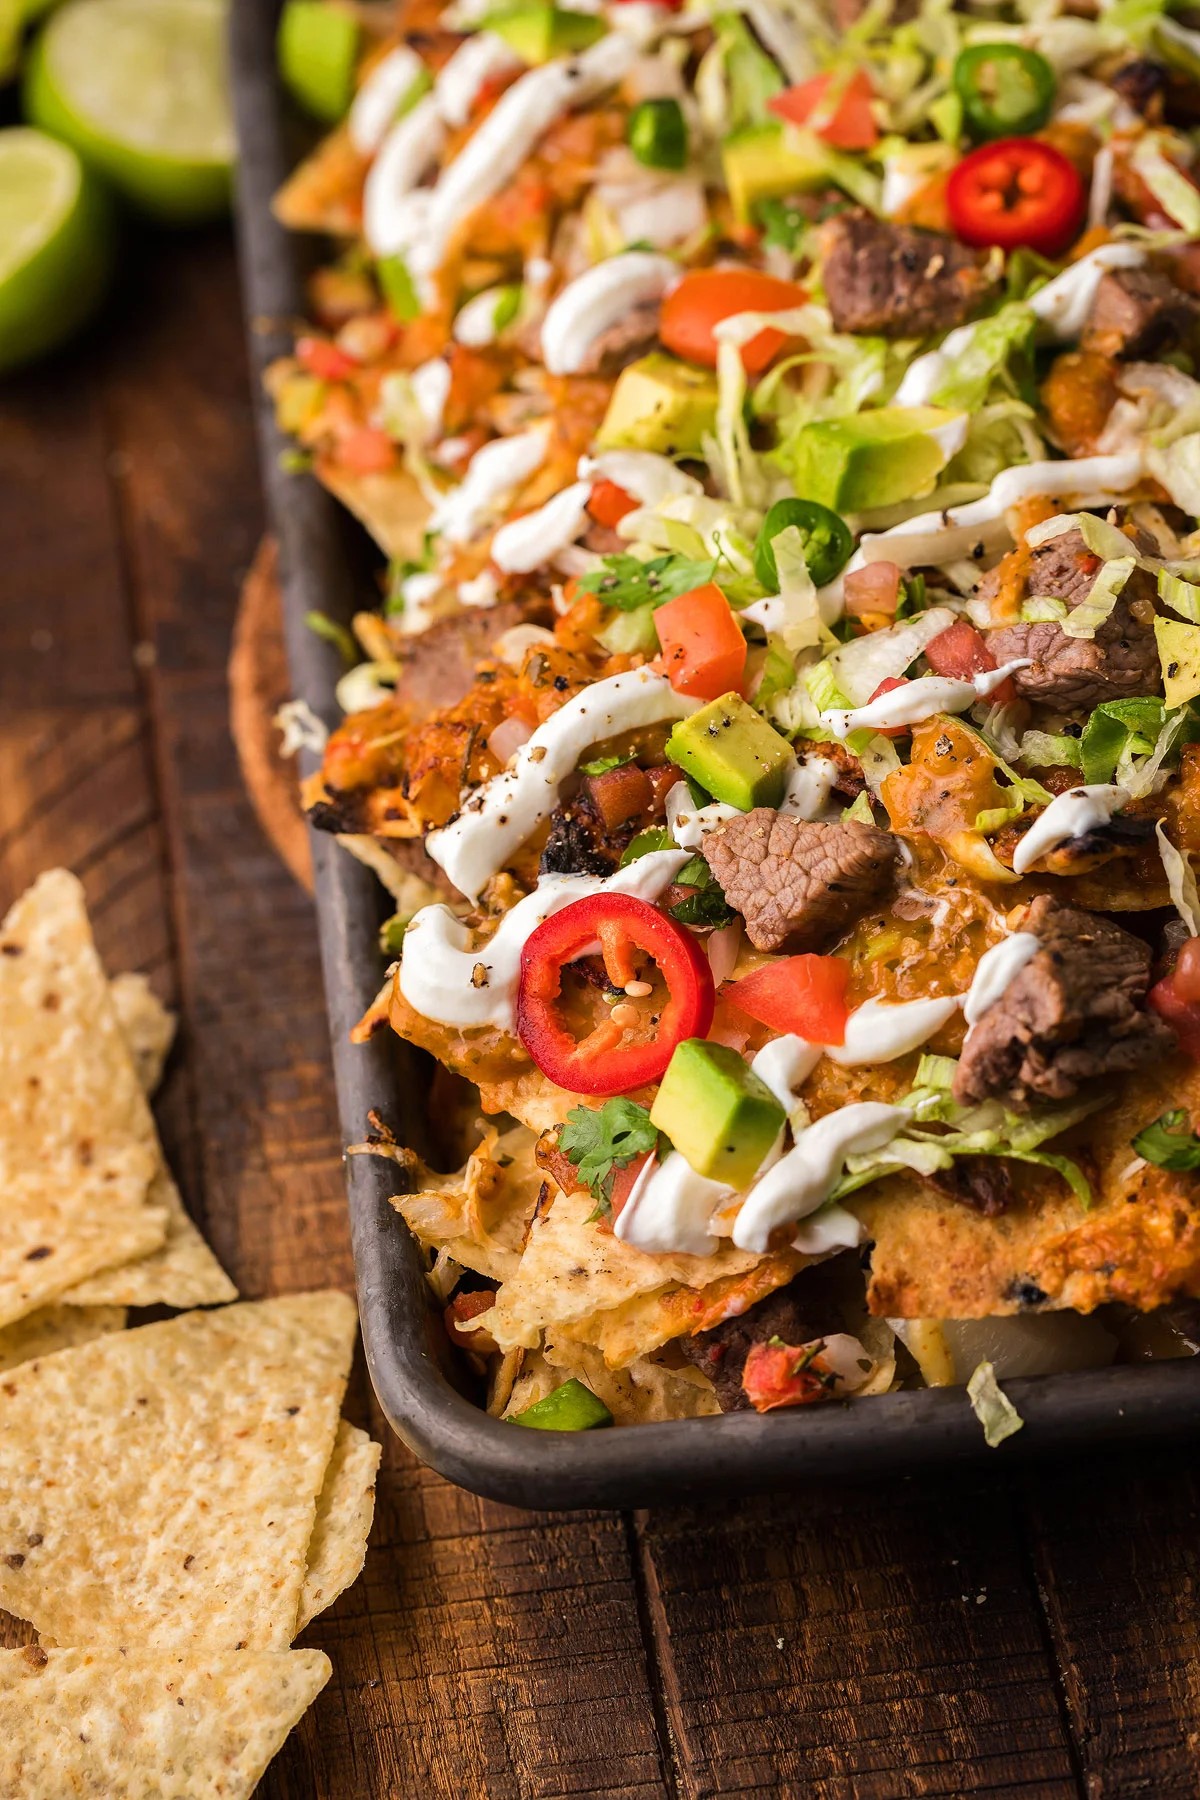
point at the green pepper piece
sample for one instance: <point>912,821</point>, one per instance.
<point>1006,90</point>
<point>571,1407</point>
<point>827,541</point>
<point>657,134</point>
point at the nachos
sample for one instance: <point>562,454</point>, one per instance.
<point>781,728</point>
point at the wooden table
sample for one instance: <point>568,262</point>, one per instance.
<point>993,1633</point>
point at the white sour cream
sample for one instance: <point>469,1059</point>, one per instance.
<point>644,476</point>
<point>507,810</point>
<point>801,1181</point>
<point>1068,816</point>
<point>690,824</point>
<point>996,971</point>
<point>924,377</point>
<point>444,979</point>
<point>493,475</point>
<point>831,1227</point>
<point>783,1064</point>
<point>508,136</point>
<point>410,150</point>
<point>596,301</point>
<point>670,1208</point>
<point>809,786</point>
<point>378,99</point>
<point>430,386</point>
<point>662,213</point>
<point>476,62</point>
<point>918,700</point>
<point>475,323</point>
<point>538,537</point>
<point>878,1031</point>
<point>1063,305</point>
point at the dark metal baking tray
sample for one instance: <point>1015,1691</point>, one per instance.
<point>324,567</point>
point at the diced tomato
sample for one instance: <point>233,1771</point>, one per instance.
<point>1185,977</point>
<point>609,503</point>
<point>888,685</point>
<point>620,794</point>
<point>623,1181</point>
<point>778,1374</point>
<point>323,359</point>
<point>961,652</point>
<point>367,451</point>
<point>1182,1015</point>
<point>464,1307</point>
<point>847,123</point>
<point>706,296</point>
<point>662,779</point>
<point>801,994</point>
<point>704,652</point>
<point>875,588</point>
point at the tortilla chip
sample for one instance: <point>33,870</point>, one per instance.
<point>77,1146</point>
<point>1138,1243</point>
<point>145,1725</point>
<point>183,1273</point>
<point>643,1393</point>
<point>56,1327</point>
<point>159,1487</point>
<point>325,192</point>
<point>480,1216</point>
<point>345,1509</point>
<point>389,504</point>
<point>146,1025</point>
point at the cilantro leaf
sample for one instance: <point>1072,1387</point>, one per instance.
<point>601,1141</point>
<point>627,583</point>
<point>1164,1144</point>
<point>704,906</point>
<point>602,764</point>
<point>655,837</point>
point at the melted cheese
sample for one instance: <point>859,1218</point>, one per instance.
<point>596,301</point>
<point>504,812</point>
<point>1069,815</point>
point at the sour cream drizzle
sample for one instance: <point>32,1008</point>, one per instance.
<point>409,152</point>
<point>645,476</point>
<point>1069,815</point>
<point>507,810</point>
<point>670,1208</point>
<point>996,971</point>
<point>917,700</point>
<point>493,475</point>
<point>801,1181</point>
<point>879,1031</point>
<point>378,99</point>
<point>597,300</point>
<point>537,537</point>
<point>444,979</point>
<point>479,60</point>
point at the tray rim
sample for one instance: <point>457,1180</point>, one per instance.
<point>739,1453</point>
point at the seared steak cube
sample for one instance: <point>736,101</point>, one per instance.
<point>892,281</point>
<point>721,1353</point>
<point>1139,313</point>
<point>1075,1012</point>
<point>798,883</point>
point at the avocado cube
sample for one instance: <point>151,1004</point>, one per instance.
<point>870,459</point>
<point>571,1407</point>
<point>660,404</point>
<point>718,1114</point>
<point>1179,654</point>
<point>538,33</point>
<point>733,753</point>
<point>760,165</point>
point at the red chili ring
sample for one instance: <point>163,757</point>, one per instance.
<point>1017,192</point>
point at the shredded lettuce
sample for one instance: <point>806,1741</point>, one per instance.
<point>861,810</point>
<point>736,78</point>
<point>1183,597</point>
<point>1084,620</point>
<point>1116,728</point>
<point>1050,750</point>
<point>1102,539</point>
<point>1169,185</point>
<point>1181,880</point>
<point>860,666</point>
<point>992,344</point>
<point>1177,466</point>
<point>992,1406</point>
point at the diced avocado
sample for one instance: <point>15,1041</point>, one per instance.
<point>1179,654</point>
<point>759,165</point>
<point>718,1114</point>
<point>571,1407</point>
<point>538,33</point>
<point>660,404</point>
<point>871,458</point>
<point>733,753</point>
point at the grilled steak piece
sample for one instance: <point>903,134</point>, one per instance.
<point>1142,84</point>
<point>721,1353</point>
<point>797,883</point>
<point>1120,661</point>
<point>1074,1013</point>
<point>578,843</point>
<point>1138,313</point>
<point>891,281</point>
<point>983,1183</point>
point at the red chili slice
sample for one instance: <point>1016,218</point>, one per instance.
<point>1016,192</point>
<point>602,1063</point>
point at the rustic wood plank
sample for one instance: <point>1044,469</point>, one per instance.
<point>857,1645</point>
<point>1118,1562</point>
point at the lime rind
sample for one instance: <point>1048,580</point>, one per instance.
<point>57,245</point>
<point>318,54</point>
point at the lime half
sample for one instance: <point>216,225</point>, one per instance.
<point>56,244</point>
<point>318,52</point>
<point>139,88</point>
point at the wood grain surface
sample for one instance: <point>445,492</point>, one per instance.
<point>1028,1634</point>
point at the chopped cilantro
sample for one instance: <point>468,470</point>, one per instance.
<point>783,225</point>
<point>1166,1145</point>
<point>627,583</point>
<point>655,837</point>
<point>704,906</point>
<point>601,1141</point>
<point>602,764</point>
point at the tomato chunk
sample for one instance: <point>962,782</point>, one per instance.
<point>801,994</point>
<point>1185,977</point>
<point>848,122</point>
<point>367,451</point>
<point>609,503</point>
<point>786,1375</point>
<point>888,685</point>
<point>323,359</point>
<point>706,296</point>
<point>704,652</point>
<point>1181,1014</point>
<point>961,652</point>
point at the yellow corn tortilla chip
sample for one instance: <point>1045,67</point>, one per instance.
<point>183,1273</point>
<point>158,1488</point>
<point>325,192</point>
<point>1138,1243</point>
<point>480,1216</point>
<point>56,1327</point>
<point>643,1393</point>
<point>345,1509</point>
<point>77,1146</point>
<point>145,1725</point>
<point>146,1025</point>
<point>389,505</point>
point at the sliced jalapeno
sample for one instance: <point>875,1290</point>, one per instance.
<point>827,541</point>
<point>1006,90</point>
<point>657,134</point>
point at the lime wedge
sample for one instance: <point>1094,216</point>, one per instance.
<point>57,236</point>
<point>318,53</point>
<point>139,88</point>
<point>12,25</point>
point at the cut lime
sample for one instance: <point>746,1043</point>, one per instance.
<point>56,244</point>
<point>139,88</point>
<point>318,54</point>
